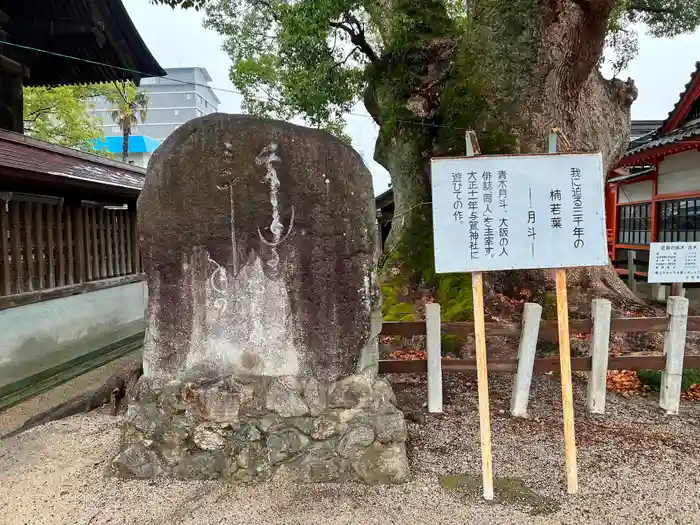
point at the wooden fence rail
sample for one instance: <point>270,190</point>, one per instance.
<point>47,244</point>
<point>674,326</point>
<point>548,329</point>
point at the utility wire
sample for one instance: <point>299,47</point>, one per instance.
<point>219,89</point>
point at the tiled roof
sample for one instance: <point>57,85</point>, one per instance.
<point>24,153</point>
<point>670,138</point>
<point>681,96</point>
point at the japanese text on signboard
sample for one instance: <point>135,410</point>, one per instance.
<point>674,262</point>
<point>498,213</point>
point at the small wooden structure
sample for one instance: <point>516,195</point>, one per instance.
<point>71,286</point>
<point>68,220</point>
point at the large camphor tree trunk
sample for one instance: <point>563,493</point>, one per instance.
<point>513,71</point>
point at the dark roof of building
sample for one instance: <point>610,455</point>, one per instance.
<point>678,135</point>
<point>66,167</point>
<point>96,31</point>
<point>683,94</point>
<point>678,128</point>
<point>640,128</point>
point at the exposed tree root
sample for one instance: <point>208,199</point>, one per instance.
<point>118,387</point>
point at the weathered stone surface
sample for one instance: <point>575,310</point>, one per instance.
<point>143,418</point>
<point>319,463</point>
<point>137,461</point>
<point>305,424</point>
<point>252,398</point>
<point>326,426</point>
<point>285,444</point>
<point>363,440</point>
<point>390,427</point>
<point>383,464</point>
<point>284,398</point>
<point>355,441</point>
<point>257,240</point>
<point>219,402</point>
<point>382,393</point>
<point>315,394</point>
<point>269,422</point>
<point>247,432</point>
<point>351,392</point>
<point>206,465</point>
<point>208,438</point>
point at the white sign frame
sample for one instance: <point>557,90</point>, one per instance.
<point>532,183</point>
<point>674,262</point>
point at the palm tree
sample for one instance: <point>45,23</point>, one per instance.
<point>128,107</point>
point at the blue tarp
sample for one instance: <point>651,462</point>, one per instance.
<point>137,144</point>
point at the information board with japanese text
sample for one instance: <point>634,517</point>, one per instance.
<point>674,262</point>
<point>518,212</point>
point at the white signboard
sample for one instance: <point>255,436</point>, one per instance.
<point>518,212</point>
<point>674,262</point>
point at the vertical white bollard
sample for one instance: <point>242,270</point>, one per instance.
<point>674,348</point>
<point>631,271</point>
<point>658,292</point>
<point>433,344</point>
<point>600,346</point>
<point>532,313</point>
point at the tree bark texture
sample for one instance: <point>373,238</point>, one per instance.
<point>514,71</point>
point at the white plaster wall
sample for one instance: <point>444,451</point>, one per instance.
<point>680,172</point>
<point>41,335</point>
<point>637,191</point>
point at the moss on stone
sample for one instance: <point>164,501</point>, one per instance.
<point>412,266</point>
<point>507,491</point>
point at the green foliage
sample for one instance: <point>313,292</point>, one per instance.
<point>61,115</point>
<point>394,307</point>
<point>652,378</point>
<point>293,59</point>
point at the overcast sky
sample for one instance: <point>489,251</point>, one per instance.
<point>177,39</point>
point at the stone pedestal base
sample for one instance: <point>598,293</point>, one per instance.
<point>255,428</point>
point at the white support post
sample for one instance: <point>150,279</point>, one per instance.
<point>631,271</point>
<point>600,346</point>
<point>532,313</point>
<point>674,348</point>
<point>433,344</point>
<point>658,292</point>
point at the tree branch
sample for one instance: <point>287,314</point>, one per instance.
<point>358,39</point>
<point>36,113</point>
<point>648,8</point>
<point>342,62</point>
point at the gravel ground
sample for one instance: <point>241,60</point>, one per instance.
<point>635,466</point>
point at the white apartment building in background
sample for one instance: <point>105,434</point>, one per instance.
<point>182,95</point>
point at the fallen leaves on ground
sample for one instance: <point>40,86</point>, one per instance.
<point>408,355</point>
<point>625,382</point>
<point>693,393</point>
<point>412,355</point>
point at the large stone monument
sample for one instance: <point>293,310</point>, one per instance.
<point>257,238</point>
